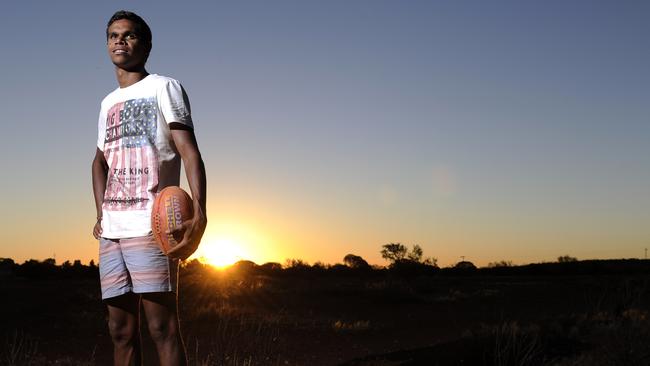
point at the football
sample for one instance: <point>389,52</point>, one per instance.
<point>171,207</point>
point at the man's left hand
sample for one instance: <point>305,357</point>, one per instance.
<point>192,233</point>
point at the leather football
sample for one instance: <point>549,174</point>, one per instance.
<point>171,208</point>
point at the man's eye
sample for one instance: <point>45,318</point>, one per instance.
<point>131,36</point>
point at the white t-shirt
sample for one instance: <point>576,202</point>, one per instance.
<point>142,159</point>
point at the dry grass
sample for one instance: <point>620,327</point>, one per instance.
<point>18,349</point>
<point>322,318</point>
<point>355,326</point>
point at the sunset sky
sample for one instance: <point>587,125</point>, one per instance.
<point>494,130</point>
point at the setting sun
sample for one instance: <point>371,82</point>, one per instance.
<point>220,252</point>
<point>227,241</point>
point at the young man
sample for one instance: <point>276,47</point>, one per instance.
<point>145,130</point>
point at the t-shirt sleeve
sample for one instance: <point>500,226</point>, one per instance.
<point>174,104</point>
<point>101,129</point>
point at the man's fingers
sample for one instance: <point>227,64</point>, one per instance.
<point>184,248</point>
<point>191,235</point>
<point>97,231</point>
<point>179,252</point>
<point>180,247</point>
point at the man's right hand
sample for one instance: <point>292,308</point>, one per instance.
<point>97,230</point>
<point>100,174</point>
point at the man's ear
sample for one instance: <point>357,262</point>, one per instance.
<point>146,57</point>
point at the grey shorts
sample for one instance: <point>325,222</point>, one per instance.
<point>135,265</point>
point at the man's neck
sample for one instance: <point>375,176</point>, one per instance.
<point>127,78</point>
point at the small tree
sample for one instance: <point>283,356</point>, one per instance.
<point>500,264</point>
<point>296,263</point>
<point>320,266</point>
<point>397,253</point>
<point>465,265</point>
<point>415,254</point>
<point>566,259</point>
<point>355,261</point>
<point>394,252</point>
<point>431,261</point>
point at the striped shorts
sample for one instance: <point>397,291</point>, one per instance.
<point>135,265</point>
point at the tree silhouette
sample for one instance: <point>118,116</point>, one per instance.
<point>355,261</point>
<point>500,264</point>
<point>295,263</point>
<point>465,265</point>
<point>394,252</point>
<point>7,266</point>
<point>399,255</point>
<point>416,254</point>
<point>566,259</point>
<point>271,267</point>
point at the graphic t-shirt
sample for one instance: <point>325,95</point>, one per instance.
<point>142,159</point>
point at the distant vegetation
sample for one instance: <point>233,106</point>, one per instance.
<point>355,262</point>
<point>500,264</point>
<point>403,262</point>
<point>397,254</point>
<point>565,313</point>
<point>47,268</point>
<point>566,259</point>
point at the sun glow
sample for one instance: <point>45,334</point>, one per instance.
<point>220,252</point>
<point>227,241</point>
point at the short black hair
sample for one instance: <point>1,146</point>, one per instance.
<point>141,27</point>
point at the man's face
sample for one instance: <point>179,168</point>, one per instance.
<point>125,49</point>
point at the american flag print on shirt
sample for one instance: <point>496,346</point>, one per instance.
<point>131,155</point>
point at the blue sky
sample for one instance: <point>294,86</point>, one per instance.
<point>514,130</point>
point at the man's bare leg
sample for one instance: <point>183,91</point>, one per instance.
<point>123,325</point>
<point>162,319</point>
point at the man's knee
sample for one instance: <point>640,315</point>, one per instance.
<point>123,319</point>
<point>162,321</point>
<point>162,330</point>
<point>122,333</point>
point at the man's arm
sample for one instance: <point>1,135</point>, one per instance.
<point>100,173</point>
<point>185,142</point>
